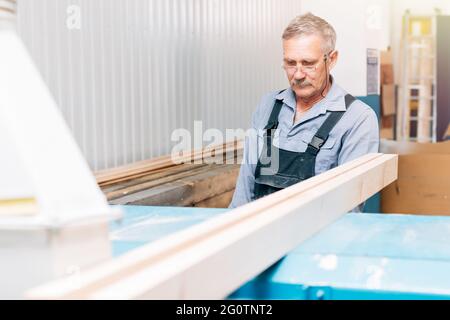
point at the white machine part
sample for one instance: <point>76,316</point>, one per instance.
<point>53,216</point>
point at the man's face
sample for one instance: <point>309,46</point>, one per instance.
<point>306,53</point>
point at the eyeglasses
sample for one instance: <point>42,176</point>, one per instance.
<point>308,69</point>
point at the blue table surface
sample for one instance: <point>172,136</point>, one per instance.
<point>358,253</point>
<point>141,224</point>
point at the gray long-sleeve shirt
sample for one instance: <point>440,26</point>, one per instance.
<point>355,135</point>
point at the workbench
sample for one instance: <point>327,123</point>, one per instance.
<point>360,256</point>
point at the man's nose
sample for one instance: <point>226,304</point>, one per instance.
<point>299,74</point>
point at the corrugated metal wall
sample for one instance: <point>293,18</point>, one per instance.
<point>126,73</point>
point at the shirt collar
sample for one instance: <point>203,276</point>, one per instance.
<point>333,101</point>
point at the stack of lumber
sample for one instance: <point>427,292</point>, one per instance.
<point>201,178</point>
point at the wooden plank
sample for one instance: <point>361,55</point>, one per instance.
<point>220,201</point>
<point>212,259</point>
<point>137,169</point>
<point>136,185</point>
<point>127,174</point>
<point>234,156</point>
<point>151,176</point>
<point>208,182</point>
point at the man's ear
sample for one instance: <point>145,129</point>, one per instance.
<point>333,58</point>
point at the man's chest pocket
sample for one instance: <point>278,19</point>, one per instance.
<point>329,144</point>
<point>327,157</point>
<point>307,138</point>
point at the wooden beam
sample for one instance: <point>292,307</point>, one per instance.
<point>138,169</point>
<point>152,176</point>
<point>153,180</point>
<point>220,201</point>
<point>214,258</point>
<point>184,189</point>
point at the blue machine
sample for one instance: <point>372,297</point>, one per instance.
<point>361,256</point>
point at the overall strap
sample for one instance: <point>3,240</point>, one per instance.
<point>322,134</point>
<point>272,124</point>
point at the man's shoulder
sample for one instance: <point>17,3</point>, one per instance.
<point>357,113</point>
<point>360,115</point>
<point>361,110</point>
<point>358,109</point>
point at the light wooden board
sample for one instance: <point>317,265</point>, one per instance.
<point>212,259</point>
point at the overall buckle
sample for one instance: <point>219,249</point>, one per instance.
<point>271,126</point>
<point>317,142</point>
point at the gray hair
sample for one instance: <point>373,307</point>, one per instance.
<point>309,24</point>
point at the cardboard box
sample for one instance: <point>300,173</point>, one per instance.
<point>387,122</point>
<point>387,74</point>
<point>423,185</point>
<point>387,67</point>
<point>386,57</point>
<point>388,99</point>
<point>387,133</point>
<point>405,148</point>
<point>447,133</point>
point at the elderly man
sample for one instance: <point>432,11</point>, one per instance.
<point>311,127</point>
